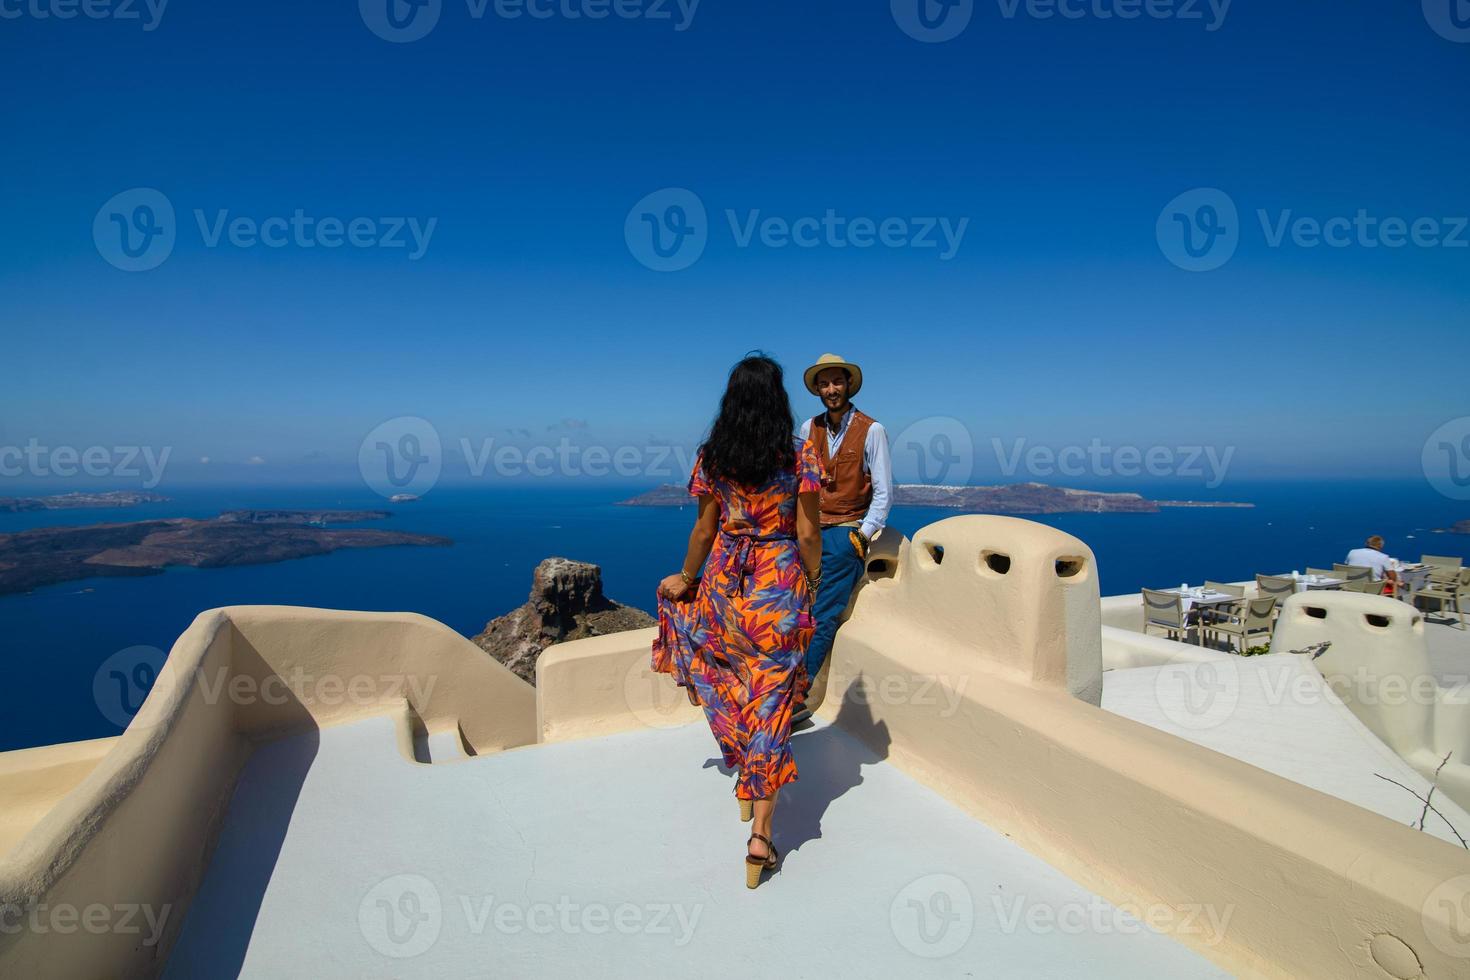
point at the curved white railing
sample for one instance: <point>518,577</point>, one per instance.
<point>135,831</point>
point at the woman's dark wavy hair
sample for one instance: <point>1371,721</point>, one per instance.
<point>753,437</point>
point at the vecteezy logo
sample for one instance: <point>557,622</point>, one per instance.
<point>1197,695</point>
<point>124,680</point>
<point>667,230</point>
<point>1199,230</point>
<point>933,916</point>
<point>654,699</point>
<point>932,21</point>
<point>1446,916</point>
<point>1449,18</point>
<point>1446,458</point>
<point>941,450</point>
<point>401,916</point>
<point>402,455</point>
<point>400,21</point>
<point>135,230</point>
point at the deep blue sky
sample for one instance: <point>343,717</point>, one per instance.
<point>1058,322</point>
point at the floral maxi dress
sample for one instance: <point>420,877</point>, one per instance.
<point>740,641</point>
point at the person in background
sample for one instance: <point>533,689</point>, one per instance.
<point>857,491</point>
<point>1385,569</point>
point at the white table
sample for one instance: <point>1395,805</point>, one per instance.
<point>1200,597</point>
<point>1412,578</point>
<point>1189,598</point>
<point>1309,582</point>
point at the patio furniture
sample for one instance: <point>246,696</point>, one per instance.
<point>1208,614</point>
<point>1164,611</point>
<point>1200,604</point>
<point>1455,593</point>
<point>1244,620</point>
<point>1278,587</point>
<point>1324,572</point>
<point>1352,573</point>
<point>1236,590</point>
<point>1444,570</point>
<point>1412,578</point>
<point>1311,580</point>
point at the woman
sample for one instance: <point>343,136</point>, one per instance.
<point>736,636</point>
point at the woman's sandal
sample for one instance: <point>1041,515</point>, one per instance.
<point>747,811</point>
<point>755,866</point>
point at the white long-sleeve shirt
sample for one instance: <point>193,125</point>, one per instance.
<point>875,461</point>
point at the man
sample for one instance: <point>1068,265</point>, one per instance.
<point>1384,567</point>
<point>857,491</point>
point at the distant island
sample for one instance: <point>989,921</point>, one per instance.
<point>72,501</point>
<point>48,555</point>
<point>1459,527</point>
<point>1015,498</point>
<point>312,518</point>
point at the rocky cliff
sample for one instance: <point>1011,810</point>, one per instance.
<point>566,603</point>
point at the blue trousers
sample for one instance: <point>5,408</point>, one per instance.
<point>841,569</point>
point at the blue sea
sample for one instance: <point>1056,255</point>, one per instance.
<point>54,640</point>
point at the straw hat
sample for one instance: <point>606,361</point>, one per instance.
<point>831,361</point>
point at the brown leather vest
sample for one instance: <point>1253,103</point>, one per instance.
<point>847,487</point>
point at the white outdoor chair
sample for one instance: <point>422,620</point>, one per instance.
<point>1209,614</point>
<point>1247,619</point>
<point>1351,573</point>
<point>1364,585</point>
<point>1455,593</point>
<point>1444,570</point>
<point>1164,611</point>
<point>1278,587</point>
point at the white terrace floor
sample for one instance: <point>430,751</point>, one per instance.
<point>620,857</point>
<point>1449,650</point>
<point>1276,713</point>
